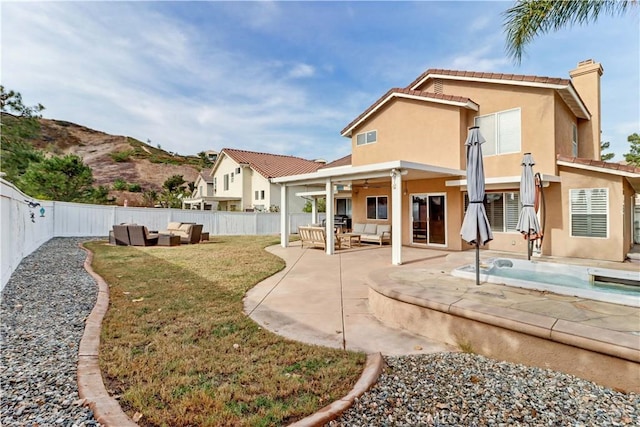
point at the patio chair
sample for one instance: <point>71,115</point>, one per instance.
<point>121,235</point>
<point>140,236</point>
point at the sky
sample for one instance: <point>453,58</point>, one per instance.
<point>279,77</point>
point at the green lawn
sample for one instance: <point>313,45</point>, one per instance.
<point>177,348</point>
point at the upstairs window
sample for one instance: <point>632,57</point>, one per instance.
<point>261,194</point>
<point>502,132</point>
<point>588,212</point>
<point>256,195</point>
<point>377,207</point>
<point>367,137</point>
<point>226,182</point>
<point>237,171</point>
<point>215,184</point>
<point>574,140</point>
<point>231,176</point>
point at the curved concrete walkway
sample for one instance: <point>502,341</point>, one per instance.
<point>323,300</point>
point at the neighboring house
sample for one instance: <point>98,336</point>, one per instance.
<point>408,159</point>
<point>202,196</point>
<point>243,180</point>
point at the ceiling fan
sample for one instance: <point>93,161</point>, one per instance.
<point>366,185</point>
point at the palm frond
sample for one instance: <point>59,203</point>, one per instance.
<point>530,18</point>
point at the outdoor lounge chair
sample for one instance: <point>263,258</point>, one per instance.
<point>121,235</point>
<point>140,236</point>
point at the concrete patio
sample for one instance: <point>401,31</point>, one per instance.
<point>357,300</point>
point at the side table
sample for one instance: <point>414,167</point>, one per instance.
<point>168,240</point>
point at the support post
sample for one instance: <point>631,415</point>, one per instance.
<point>396,217</point>
<point>314,210</point>
<point>329,221</point>
<point>284,217</point>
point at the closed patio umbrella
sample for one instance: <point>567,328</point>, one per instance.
<point>475,227</point>
<point>528,223</point>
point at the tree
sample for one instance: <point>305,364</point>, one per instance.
<point>605,157</point>
<point>321,206</point>
<point>529,18</point>
<point>11,102</point>
<point>174,183</point>
<point>65,179</point>
<point>204,160</point>
<point>15,158</point>
<point>633,156</point>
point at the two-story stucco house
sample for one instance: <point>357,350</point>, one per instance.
<point>408,158</point>
<point>202,195</point>
<point>243,180</point>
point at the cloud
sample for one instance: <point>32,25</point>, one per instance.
<point>302,70</point>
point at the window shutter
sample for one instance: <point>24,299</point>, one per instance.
<point>487,126</point>
<point>509,132</point>
<point>512,213</point>
<point>589,212</point>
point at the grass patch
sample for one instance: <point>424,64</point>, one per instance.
<point>177,347</point>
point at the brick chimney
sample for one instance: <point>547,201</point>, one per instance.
<point>586,80</point>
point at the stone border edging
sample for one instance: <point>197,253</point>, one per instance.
<point>106,409</point>
<point>372,370</point>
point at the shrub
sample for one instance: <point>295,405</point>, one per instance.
<point>135,188</point>
<point>121,156</point>
<point>120,184</point>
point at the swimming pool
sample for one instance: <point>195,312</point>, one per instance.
<point>600,284</point>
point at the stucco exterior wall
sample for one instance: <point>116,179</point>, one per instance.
<point>412,130</point>
<point>611,248</point>
<point>564,118</point>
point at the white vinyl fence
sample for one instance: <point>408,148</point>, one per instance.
<point>24,228</point>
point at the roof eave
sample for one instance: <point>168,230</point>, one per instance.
<point>469,105</point>
<point>574,102</point>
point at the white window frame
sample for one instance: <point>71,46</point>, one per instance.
<point>574,140</point>
<point>231,176</point>
<point>261,194</point>
<point>377,198</point>
<point>237,171</point>
<point>215,184</point>
<point>589,209</point>
<point>366,137</point>
<point>496,131</point>
<point>226,182</point>
<point>256,194</point>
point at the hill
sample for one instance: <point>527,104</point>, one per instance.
<point>111,157</point>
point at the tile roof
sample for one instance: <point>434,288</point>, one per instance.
<point>599,164</point>
<point>343,161</point>
<point>490,76</point>
<point>206,176</point>
<point>272,165</point>
<point>406,91</point>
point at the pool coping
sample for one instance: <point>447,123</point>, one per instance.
<point>613,343</point>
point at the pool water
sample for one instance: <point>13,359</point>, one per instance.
<point>616,286</point>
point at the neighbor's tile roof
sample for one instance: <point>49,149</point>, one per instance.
<point>344,161</point>
<point>272,165</point>
<point>406,91</point>
<point>599,164</point>
<point>491,76</point>
<point>206,176</point>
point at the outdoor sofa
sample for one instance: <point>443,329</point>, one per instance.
<point>189,232</point>
<point>372,233</point>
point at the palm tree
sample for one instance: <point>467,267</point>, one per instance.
<point>529,18</point>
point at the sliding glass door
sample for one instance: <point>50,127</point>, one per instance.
<point>428,219</point>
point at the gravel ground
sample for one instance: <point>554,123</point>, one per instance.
<point>42,315</point>
<point>458,389</point>
<point>50,294</point>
